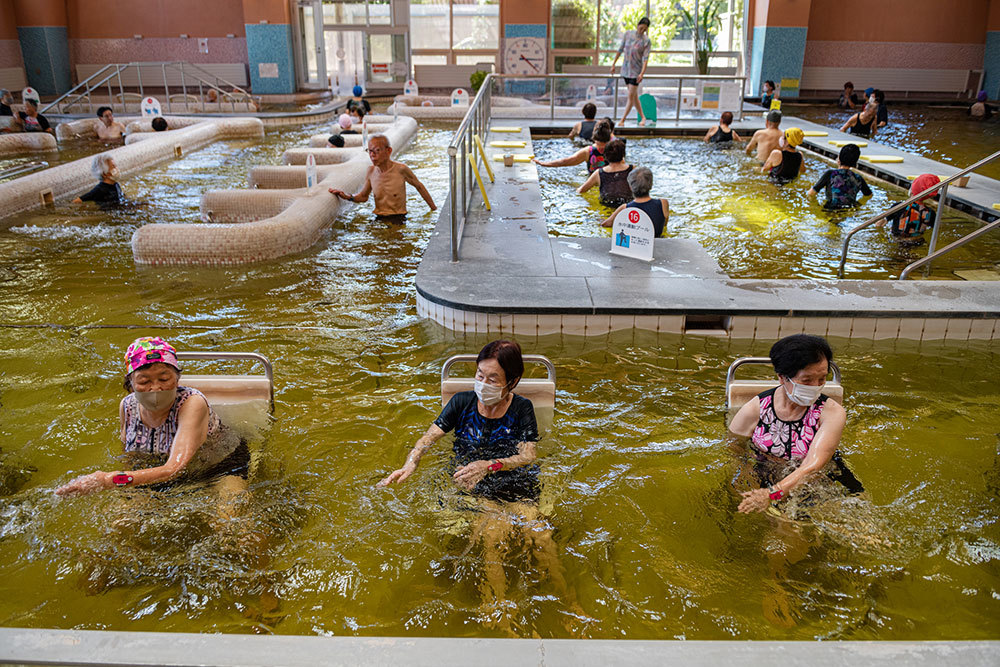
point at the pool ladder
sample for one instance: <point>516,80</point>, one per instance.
<point>932,254</point>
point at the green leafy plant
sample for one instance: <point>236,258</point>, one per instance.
<point>476,80</point>
<point>705,26</point>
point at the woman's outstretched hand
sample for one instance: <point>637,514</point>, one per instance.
<point>398,475</point>
<point>754,501</point>
<point>81,486</point>
<point>471,474</point>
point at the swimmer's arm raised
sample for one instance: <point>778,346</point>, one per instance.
<point>433,434</point>
<point>575,158</point>
<point>412,179</point>
<point>591,181</point>
<point>610,222</point>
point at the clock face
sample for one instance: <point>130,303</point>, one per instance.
<point>524,55</point>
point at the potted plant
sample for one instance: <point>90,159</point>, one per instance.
<point>702,23</point>
<point>476,80</point>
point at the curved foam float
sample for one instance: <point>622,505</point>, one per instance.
<point>815,133</point>
<point>882,158</point>
<point>27,142</point>
<point>841,144</point>
<point>266,224</point>
<point>508,144</point>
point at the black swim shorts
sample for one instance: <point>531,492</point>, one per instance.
<point>631,82</point>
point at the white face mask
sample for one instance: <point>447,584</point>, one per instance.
<point>803,394</point>
<point>487,393</point>
<point>114,174</point>
<point>156,401</point>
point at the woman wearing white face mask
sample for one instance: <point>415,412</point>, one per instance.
<point>794,421</point>
<point>171,423</point>
<point>495,431</point>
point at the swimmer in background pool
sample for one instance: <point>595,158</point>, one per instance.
<point>106,127</point>
<point>585,128</point>
<point>722,133</point>
<point>593,155</point>
<point>387,180</point>
<point>865,122</point>
<point>495,435</point>
<point>766,140</point>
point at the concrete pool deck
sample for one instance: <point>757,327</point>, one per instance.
<point>545,285</point>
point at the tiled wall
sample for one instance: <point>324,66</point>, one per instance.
<point>10,53</point>
<point>991,64</point>
<point>907,55</point>
<point>777,53</point>
<point>149,49</point>
<point>46,58</point>
<point>270,43</point>
<point>740,327</point>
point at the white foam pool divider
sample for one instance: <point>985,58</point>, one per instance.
<point>501,107</point>
<point>262,224</point>
<point>27,142</point>
<point>86,128</point>
<point>74,178</point>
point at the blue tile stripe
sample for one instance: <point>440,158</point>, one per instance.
<point>525,30</point>
<point>991,65</point>
<point>777,52</point>
<point>271,43</point>
<point>46,58</point>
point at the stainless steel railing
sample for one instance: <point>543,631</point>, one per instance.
<point>477,119</point>
<point>941,187</point>
<point>200,79</point>
<point>22,168</point>
<point>931,256</point>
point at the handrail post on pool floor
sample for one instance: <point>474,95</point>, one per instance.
<point>900,206</point>
<point>677,107</point>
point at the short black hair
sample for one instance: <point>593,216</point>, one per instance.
<point>774,117</point>
<point>643,21</point>
<point>602,131</point>
<point>849,155</point>
<point>101,110</point>
<point>879,96</point>
<point>727,117</point>
<point>770,83</point>
<point>336,140</point>
<point>508,355</point>
<point>589,110</point>
<point>159,124</point>
<point>359,110</point>
<point>793,353</point>
<point>849,85</point>
<point>615,151</point>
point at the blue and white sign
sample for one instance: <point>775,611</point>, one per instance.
<point>411,87</point>
<point>459,97</point>
<point>150,107</point>
<point>592,93</point>
<point>30,93</point>
<point>310,170</point>
<point>632,235</point>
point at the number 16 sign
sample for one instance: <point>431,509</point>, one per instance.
<point>632,234</point>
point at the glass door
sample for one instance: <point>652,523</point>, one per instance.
<point>389,56</point>
<point>345,59</point>
<point>311,59</point>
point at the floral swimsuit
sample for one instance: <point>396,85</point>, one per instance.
<point>787,440</point>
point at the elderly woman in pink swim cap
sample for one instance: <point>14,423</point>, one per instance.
<point>173,423</point>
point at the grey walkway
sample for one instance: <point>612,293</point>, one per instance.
<point>531,272</point>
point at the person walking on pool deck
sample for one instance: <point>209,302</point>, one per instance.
<point>842,185</point>
<point>635,45</point>
<point>766,140</point>
<point>585,128</point>
<point>640,180</point>
<point>785,163</point>
<point>612,178</point>
<point>722,133</point>
<point>387,180</point>
<point>107,128</point>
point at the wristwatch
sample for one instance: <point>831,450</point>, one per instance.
<point>121,479</point>
<point>496,465</point>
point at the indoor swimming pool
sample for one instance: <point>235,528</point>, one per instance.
<point>639,485</point>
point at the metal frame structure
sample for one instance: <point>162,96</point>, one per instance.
<point>550,368</point>
<point>234,356</point>
<point>742,361</point>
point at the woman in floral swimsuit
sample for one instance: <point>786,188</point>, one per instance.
<point>794,421</point>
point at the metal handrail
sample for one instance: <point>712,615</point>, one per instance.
<point>550,368</point>
<point>477,119</point>
<point>942,186</point>
<point>731,373</point>
<point>231,356</point>
<point>948,248</point>
<point>22,168</point>
<point>203,78</point>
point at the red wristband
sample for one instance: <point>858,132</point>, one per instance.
<point>496,465</point>
<point>121,479</point>
<point>775,494</point>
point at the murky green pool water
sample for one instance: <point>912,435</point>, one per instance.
<point>637,478</point>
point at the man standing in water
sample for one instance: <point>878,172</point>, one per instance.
<point>766,140</point>
<point>635,45</point>
<point>107,128</point>
<point>387,179</point>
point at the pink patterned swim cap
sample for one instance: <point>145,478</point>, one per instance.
<point>150,350</point>
<point>345,121</point>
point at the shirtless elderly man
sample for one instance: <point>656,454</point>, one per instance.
<point>766,140</point>
<point>387,179</point>
<point>108,129</point>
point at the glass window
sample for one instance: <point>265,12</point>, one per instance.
<point>429,24</point>
<point>477,24</point>
<point>419,59</point>
<point>617,16</point>
<point>379,12</point>
<point>574,24</point>
<point>344,12</point>
<point>486,60</point>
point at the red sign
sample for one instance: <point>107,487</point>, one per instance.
<point>380,68</point>
<point>633,216</point>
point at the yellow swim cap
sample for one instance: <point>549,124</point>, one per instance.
<point>794,136</point>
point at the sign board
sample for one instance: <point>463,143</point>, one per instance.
<point>632,234</point>
<point>267,70</point>
<point>789,87</point>
<point>691,100</point>
<point>710,93</point>
<point>150,107</point>
<point>30,93</point>
<point>203,45</point>
<point>310,170</point>
<point>364,133</point>
<point>380,68</point>
<point>459,97</point>
<point>729,96</point>
<point>411,87</point>
<point>775,105</point>
<point>592,93</point>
